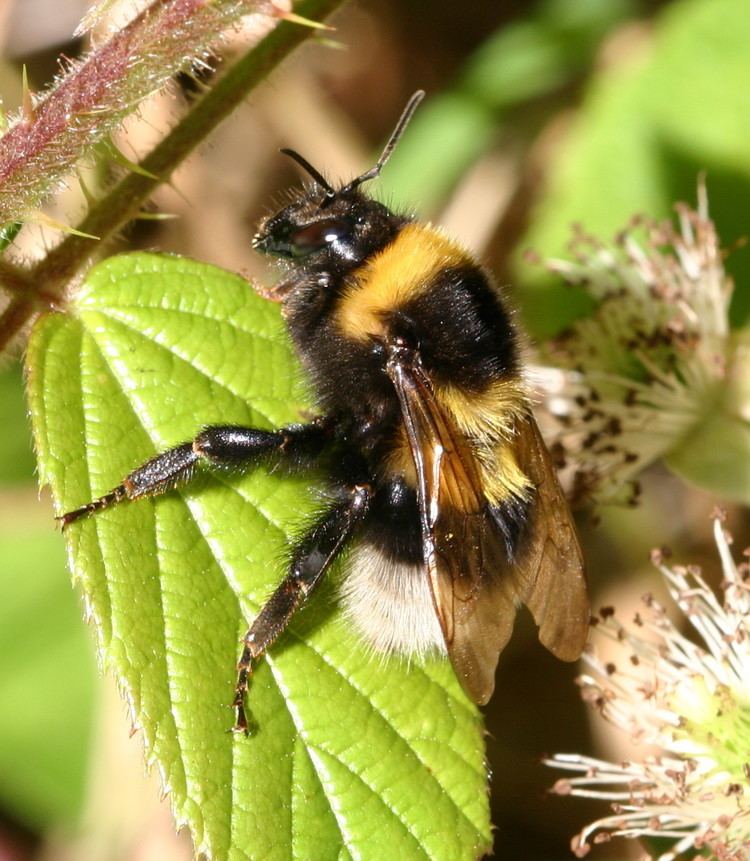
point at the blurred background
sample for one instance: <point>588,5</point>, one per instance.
<point>539,115</point>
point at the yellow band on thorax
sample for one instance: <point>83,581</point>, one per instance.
<point>395,275</point>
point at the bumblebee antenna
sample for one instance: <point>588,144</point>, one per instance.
<point>315,174</point>
<point>401,125</point>
<point>373,172</point>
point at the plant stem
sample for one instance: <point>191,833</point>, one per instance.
<point>14,279</point>
<point>49,278</point>
<point>91,97</point>
<point>15,316</point>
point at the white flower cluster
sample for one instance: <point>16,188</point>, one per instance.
<point>687,706</point>
<point>646,374</point>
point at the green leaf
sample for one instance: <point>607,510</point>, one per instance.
<point>353,757</point>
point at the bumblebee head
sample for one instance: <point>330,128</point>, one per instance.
<point>346,227</point>
<point>326,223</point>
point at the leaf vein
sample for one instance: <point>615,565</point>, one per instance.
<point>191,362</point>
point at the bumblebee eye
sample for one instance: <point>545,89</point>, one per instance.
<point>318,234</point>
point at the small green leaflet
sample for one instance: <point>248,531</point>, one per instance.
<point>355,757</point>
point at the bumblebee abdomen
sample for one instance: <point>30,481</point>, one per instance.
<point>389,603</point>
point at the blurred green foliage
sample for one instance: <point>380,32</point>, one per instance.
<point>647,129</point>
<point>47,672</point>
<point>47,678</point>
<point>522,63</point>
<point>506,92</point>
<point>17,460</point>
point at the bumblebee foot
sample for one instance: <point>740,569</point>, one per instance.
<point>241,723</point>
<point>111,498</point>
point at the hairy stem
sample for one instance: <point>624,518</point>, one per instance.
<point>14,317</point>
<point>91,97</point>
<point>48,280</point>
<point>14,279</point>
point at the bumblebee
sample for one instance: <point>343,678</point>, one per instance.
<point>438,477</point>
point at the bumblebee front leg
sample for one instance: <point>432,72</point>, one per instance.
<point>224,445</point>
<point>310,560</point>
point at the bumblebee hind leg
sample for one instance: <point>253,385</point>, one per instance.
<point>310,560</point>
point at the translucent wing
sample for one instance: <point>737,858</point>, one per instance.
<point>550,565</point>
<point>475,588</point>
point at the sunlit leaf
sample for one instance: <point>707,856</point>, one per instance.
<point>353,757</point>
<point>8,233</point>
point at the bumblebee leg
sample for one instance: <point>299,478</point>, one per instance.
<point>226,445</point>
<point>311,558</point>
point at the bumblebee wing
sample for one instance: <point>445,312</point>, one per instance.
<point>478,594</point>
<point>550,565</point>
<point>473,591</point>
